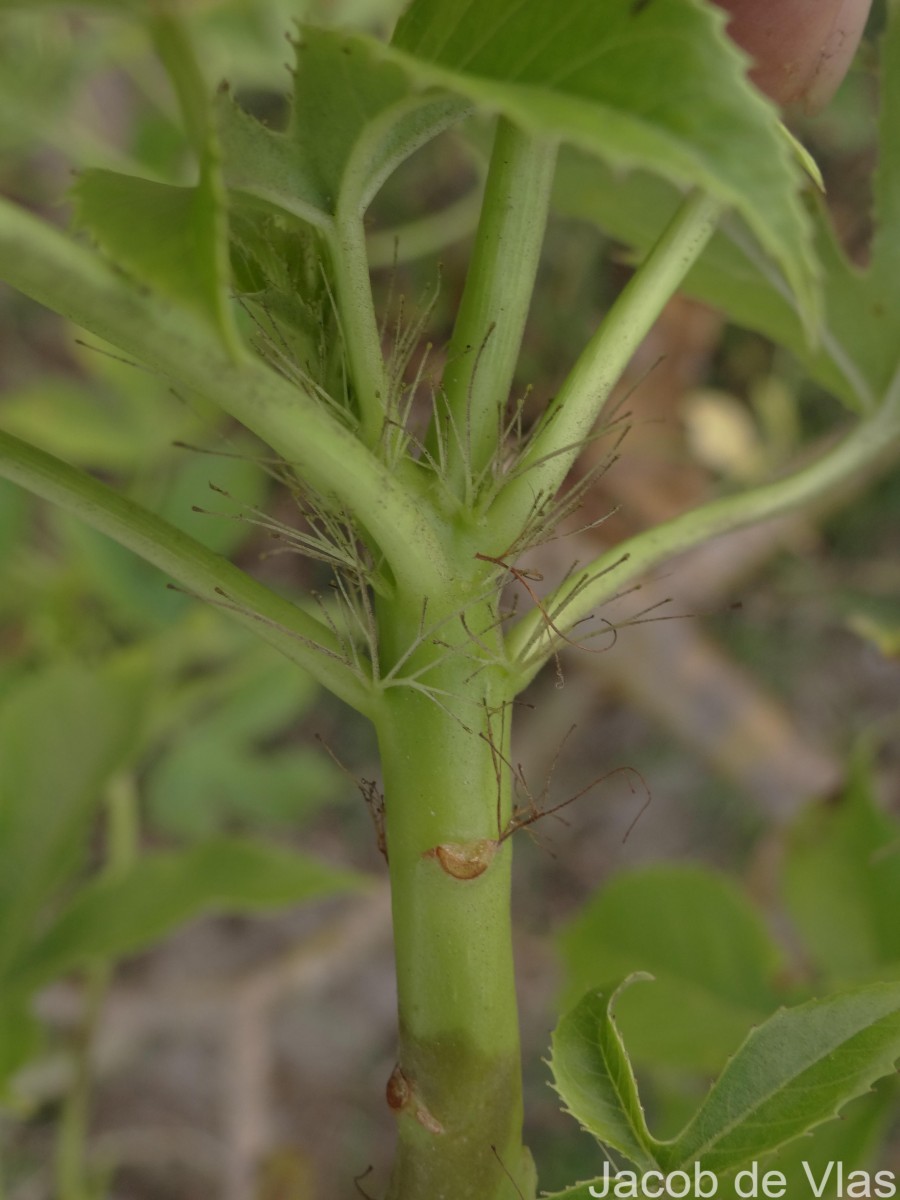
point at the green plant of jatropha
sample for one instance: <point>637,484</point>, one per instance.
<point>718,970</point>
<point>245,284</point>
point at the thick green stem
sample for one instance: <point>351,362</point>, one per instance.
<point>873,443</point>
<point>571,417</point>
<point>71,280</point>
<point>488,332</point>
<point>456,1089</point>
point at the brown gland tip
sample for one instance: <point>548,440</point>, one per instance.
<point>465,860</point>
<point>402,1098</point>
<point>398,1091</point>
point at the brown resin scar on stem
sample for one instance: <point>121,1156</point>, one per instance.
<point>403,1098</point>
<point>465,860</point>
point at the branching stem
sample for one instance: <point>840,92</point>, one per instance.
<point>75,282</point>
<point>359,325</point>
<point>570,418</point>
<point>491,320</point>
<point>871,443</point>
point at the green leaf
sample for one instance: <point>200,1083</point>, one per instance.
<point>863,306</point>
<point>791,1074</point>
<point>39,79</point>
<point>133,595</point>
<point>856,355</point>
<point>703,942</point>
<point>264,696</point>
<point>654,86</point>
<point>74,421</point>
<point>107,419</point>
<point>202,785</point>
<point>580,1191</point>
<point>14,509</point>
<point>593,1075</point>
<point>634,207</point>
<point>61,736</point>
<point>842,882</point>
<point>163,235</point>
<point>20,1040</point>
<point>115,916</point>
<point>225,769</point>
<point>854,1140</point>
<point>225,488</point>
<point>885,248</point>
<point>174,238</point>
<point>172,485</point>
<point>354,118</point>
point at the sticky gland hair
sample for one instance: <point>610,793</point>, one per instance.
<point>526,578</point>
<point>372,796</point>
<point>465,861</point>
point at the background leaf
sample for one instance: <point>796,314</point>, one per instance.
<point>856,355</point>
<point>21,1038</point>
<point>160,233</point>
<point>632,208</point>
<point>706,947</point>
<point>115,916</point>
<point>655,86</point>
<point>229,769</point>
<point>62,734</point>
<point>174,238</point>
<point>842,882</point>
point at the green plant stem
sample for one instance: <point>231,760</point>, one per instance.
<point>72,1172</point>
<point>487,336</point>
<point>872,443</point>
<point>73,281</point>
<point>570,419</point>
<point>301,637</point>
<point>390,139</point>
<point>359,325</point>
<point>459,1041</point>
